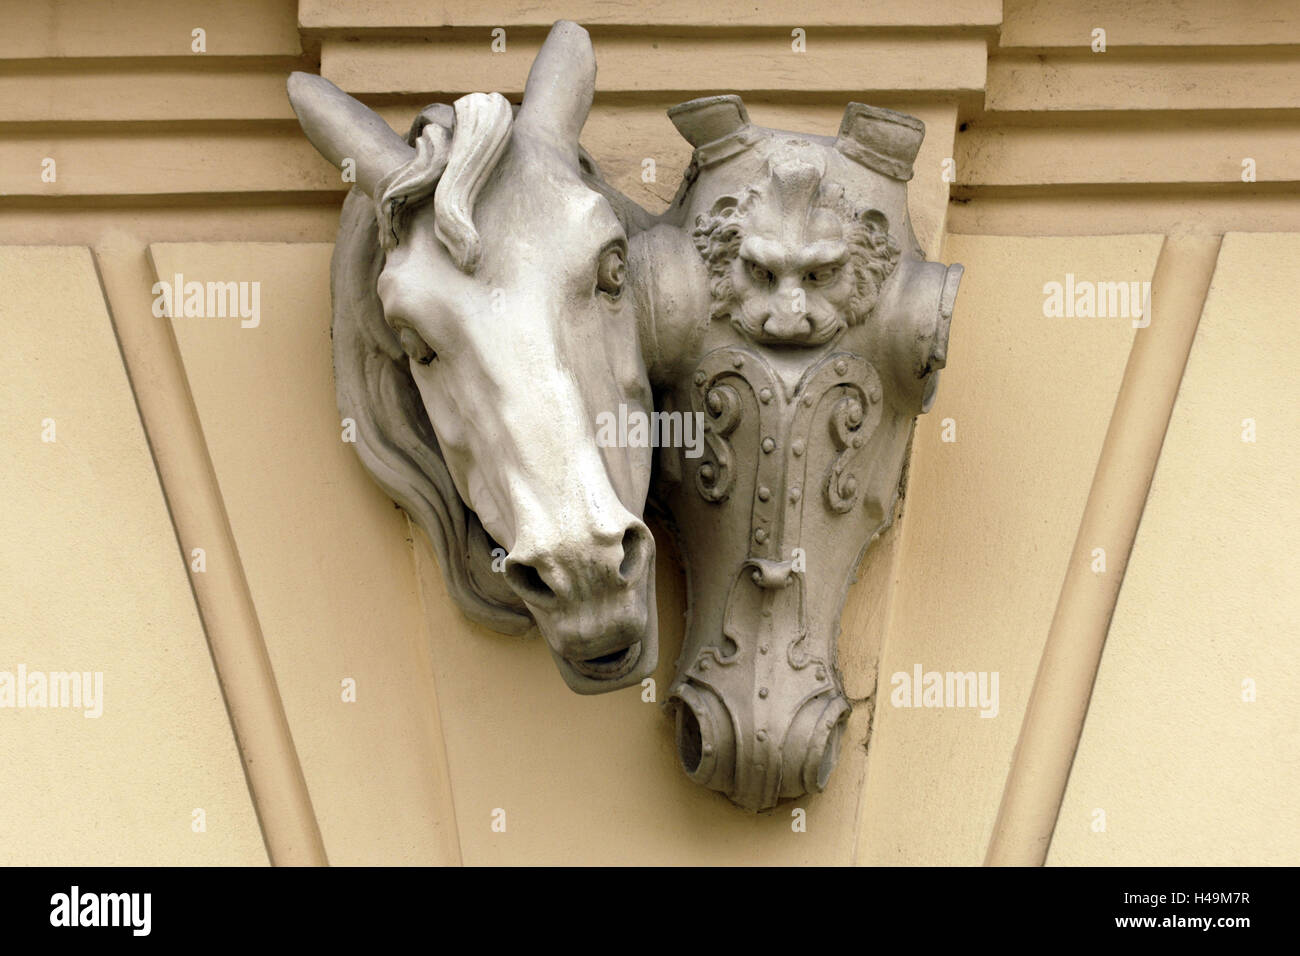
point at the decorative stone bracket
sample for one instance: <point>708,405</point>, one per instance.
<point>494,299</point>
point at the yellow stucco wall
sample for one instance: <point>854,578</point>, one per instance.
<point>185,433</point>
<point>1192,746</point>
<point>95,584</point>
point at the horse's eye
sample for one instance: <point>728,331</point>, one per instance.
<point>611,271</point>
<point>416,348</point>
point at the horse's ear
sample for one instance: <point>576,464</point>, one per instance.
<point>342,128</point>
<point>560,86</point>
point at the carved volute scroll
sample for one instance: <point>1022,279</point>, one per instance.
<point>494,297</point>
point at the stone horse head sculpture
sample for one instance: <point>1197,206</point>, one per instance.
<point>481,324</point>
<point>795,310</point>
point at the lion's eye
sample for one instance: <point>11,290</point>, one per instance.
<point>415,347</point>
<point>823,275</point>
<point>611,271</point>
<point>760,274</point>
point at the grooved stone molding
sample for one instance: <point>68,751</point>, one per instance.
<point>514,338</point>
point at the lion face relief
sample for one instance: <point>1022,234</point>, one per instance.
<point>791,263</point>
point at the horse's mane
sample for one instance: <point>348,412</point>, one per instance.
<point>455,154</point>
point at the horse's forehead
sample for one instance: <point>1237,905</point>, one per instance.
<point>545,218</point>
<point>534,212</point>
<point>535,185</point>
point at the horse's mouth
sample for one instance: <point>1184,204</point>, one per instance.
<point>605,645</point>
<point>609,666</point>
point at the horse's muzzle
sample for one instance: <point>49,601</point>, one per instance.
<point>595,607</point>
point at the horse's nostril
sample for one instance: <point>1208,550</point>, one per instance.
<point>636,552</point>
<point>528,582</point>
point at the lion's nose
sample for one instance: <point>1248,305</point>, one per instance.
<point>787,324</point>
